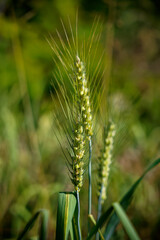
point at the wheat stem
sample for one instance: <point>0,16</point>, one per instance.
<point>89,182</point>
<point>78,203</point>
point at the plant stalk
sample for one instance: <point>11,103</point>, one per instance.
<point>79,229</point>
<point>89,182</point>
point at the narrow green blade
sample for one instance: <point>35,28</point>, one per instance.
<point>100,222</point>
<point>125,202</point>
<point>43,226</point>
<point>66,208</point>
<point>75,224</point>
<point>126,222</point>
<point>94,222</point>
<point>71,232</point>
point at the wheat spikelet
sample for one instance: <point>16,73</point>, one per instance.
<point>84,97</point>
<point>105,161</point>
<point>77,158</point>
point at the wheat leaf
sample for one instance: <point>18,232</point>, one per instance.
<point>43,225</point>
<point>66,208</point>
<point>126,222</point>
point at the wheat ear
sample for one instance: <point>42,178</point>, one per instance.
<point>104,167</point>
<point>83,93</point>
<point>105,162</point>
<point>85,109</point>
<point>77,158</point>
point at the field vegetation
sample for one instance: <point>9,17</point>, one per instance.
<point>79,81</point>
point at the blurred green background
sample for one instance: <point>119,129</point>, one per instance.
<point>32,168</point>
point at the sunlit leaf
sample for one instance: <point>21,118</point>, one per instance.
<point>66,208</point>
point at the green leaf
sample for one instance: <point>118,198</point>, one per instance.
<point>66,208</point>
<point>94,222</point>
<point>125,201</point>
<point>43,225</point>
<point>72,233</point>
<point>75,223</point>
<point>100,222</point>
<point>126,222</point>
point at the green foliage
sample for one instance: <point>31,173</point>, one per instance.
<point>43,225</point>
<point>32,168</point>
<point>125,202</point>
<point>67,216</point>
<point>66,208</point>
<point>131,232</point>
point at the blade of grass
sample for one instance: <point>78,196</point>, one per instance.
<point>43,226</point>
<point>94,222</point>
<point>100,222</point>
<point>66,208</point>
<point>75,223</point>
<point>126,222</point>
<point>71,232</point>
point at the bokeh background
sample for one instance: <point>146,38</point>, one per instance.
<point>32,168</point>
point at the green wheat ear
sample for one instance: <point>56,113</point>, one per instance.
<point>84,97</point>
<point>77,85</point>
<point>77,158</point>
<point>105,161</point>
